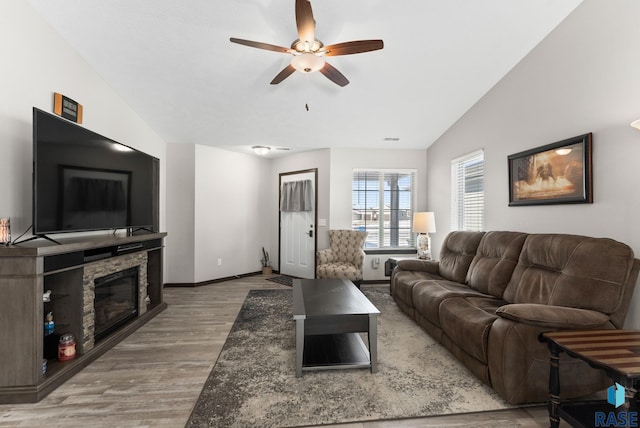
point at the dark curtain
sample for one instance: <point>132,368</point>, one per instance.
<point>296,196</point>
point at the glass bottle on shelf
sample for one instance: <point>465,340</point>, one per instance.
<point>49,325</point>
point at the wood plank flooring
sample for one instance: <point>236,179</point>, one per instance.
<point>153,377</point>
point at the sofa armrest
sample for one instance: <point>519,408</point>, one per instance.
<point>556,317</point>
<point>430,266</point>
<point>324,256</point>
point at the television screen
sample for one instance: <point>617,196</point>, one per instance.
<point>84,181</point>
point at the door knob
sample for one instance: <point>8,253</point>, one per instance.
<point>310,233</point>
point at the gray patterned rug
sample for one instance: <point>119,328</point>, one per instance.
<point>282,279</point>
<point>253,382</point>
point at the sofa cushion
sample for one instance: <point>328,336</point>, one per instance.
<point>553,317</point>
<point>494,262</point>
<point>456,254</point>
<point>419,265</point>
<point>339,270</point>
<point>563,270</point>
<point>467,322</point>
<point>403,281</point>
<point>428,295</point>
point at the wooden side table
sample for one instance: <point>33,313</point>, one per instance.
<point>617,352</point>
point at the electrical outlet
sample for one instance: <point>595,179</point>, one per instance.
<point>219,262</point>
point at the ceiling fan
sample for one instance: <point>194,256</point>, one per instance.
<point>309,52</point>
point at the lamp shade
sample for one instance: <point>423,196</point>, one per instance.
<point>307,62</point>
<point>636,124</point>
<point>424,222</point>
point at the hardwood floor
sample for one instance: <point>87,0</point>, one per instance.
<point>153,377</point>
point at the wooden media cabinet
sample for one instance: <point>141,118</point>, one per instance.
<point>28,270</point>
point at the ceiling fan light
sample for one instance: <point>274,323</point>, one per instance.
<point>307,62</point>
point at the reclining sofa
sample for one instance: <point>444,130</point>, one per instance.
<point>492,294</point>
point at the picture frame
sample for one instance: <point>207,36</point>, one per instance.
<point>556,173</point>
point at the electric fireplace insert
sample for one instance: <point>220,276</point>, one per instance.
<point>116,301</point>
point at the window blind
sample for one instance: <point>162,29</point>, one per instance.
<point>382,205</point>
<point>467,193</point>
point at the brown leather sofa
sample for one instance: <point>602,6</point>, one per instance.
<point>491,294</point>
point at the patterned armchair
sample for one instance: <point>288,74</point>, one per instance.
<point>345,257</point>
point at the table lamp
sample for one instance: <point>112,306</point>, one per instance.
<point>423,224</point>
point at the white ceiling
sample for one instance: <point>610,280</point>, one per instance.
<point>172,61</point>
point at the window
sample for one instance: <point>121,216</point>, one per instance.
<point>467,193</point>
<point>382,204</point>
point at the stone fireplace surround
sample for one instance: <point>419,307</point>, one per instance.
<point>99,269</point>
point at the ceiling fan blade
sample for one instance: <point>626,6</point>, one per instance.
<point>261,45</point>
<point>286,72</point>
<point>348,48</point>
<point>305,22</point>
<point>334,75</point>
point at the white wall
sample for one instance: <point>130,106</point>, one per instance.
<point>234,220</point>
<point>181,217</point>
<point>36,62</point>
<point>231,220</point>
<point>344,161</point>
<point>224,205</point>
<point>584,77</point>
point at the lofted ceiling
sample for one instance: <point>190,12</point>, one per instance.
<point>173,63</point>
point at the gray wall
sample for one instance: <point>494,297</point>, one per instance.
<point>584,77</point>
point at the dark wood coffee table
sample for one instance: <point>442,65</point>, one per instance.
<point>617,352</point>
<point>329,315</point>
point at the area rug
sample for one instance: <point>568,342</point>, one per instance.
<point>281,279</point>
<point>253,382</point>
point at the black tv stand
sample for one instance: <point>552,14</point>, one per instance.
<point>34,237</point>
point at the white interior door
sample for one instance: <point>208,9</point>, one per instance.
<point>298,233</point>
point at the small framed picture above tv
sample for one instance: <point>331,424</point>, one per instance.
<point>557,173</point>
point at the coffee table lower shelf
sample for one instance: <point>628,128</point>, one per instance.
<point>583,413</point>
<point>335,351</point>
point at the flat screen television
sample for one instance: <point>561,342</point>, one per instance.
<point>83,181</point>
